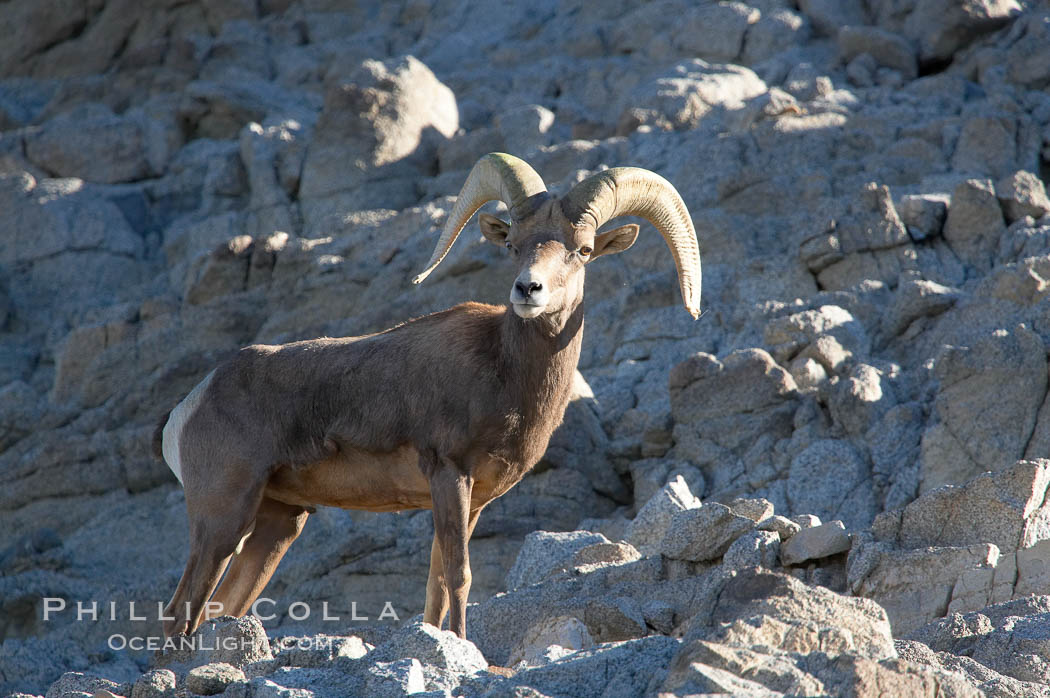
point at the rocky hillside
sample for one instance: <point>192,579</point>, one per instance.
<point>861,408</point>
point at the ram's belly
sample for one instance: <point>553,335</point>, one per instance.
<point>355,479</point>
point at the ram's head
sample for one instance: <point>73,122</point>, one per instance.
<point>553,239</point>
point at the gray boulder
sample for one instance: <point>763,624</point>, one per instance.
<point>653,521</point>
<point>549,640</point>
<point>759,607</point>
<point>92,143</point>
<point>626,669</point>
<point>394,679</point>
<point>888,49</point>
<point>1022,194</point>
<point>828,16</point>
<point>754,549</point>
<point>377,133</point>
<point>212,679</point>
<point>446,658</point>
<point>704,533</point>
<point>233,641</point>
<point>156,683</point>
<point>544,553</point>
<point>917,586</point>
<point>815,543</point>
<point>1009,644</point>
<point>973,430</point>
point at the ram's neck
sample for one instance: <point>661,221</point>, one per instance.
<point>539,360</point>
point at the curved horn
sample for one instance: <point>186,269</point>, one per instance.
<point>495,176</point>
<point>632,191</point>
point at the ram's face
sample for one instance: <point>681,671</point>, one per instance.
<point>551,255</point>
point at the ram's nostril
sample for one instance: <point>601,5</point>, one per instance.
<point>521,289</point>
<point>535,287</point>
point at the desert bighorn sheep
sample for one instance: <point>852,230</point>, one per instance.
<point>446,412</point>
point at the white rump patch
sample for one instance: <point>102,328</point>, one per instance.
<point>177,421</point>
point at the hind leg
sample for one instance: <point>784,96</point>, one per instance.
<point>220,516</point>
<point>277,525</point>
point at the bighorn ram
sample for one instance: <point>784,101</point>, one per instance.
<point>445,412</point>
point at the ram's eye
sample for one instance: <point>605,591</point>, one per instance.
<point>512,248</point>
<point>585,251</point>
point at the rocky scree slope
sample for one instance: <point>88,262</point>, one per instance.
<point>867,180</point>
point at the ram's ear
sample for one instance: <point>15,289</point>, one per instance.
<point>494,229</point>
<point>615,240</point>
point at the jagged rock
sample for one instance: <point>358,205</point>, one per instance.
<point>869,242</point>
<point>828,16</point>
<point>628,666</point>
<point>986,145</point>
<point>888,49</point>
<point>802,334</point>
<point>235,641</point>
<point>446,658</point>
<point>1022,194</point>
<point>991,682</point>
<point>831,478</point>
<point>214,678</point>
<point>715,31</point>
<point>784,528</point>
<point>858,676</point>
<point>273,160</point>
<point>91,143</point>
<point>708,427</point>
<point>62,248</point>
<point>302,683</point>
<point>974,222</point>
<point>525,129</point>
<point>696,678</point>
<point>973,430</point>
<point>156,683</point>
<point>1005,508</point>
<point>754,509</point>
<point>650,474</point>
<point>219,108</point>
<point>754,549</point>
<point>222,272</point>
<point>702,666</point>
<point>804,521</point>
<point>317,650</point>
<point>815,543</point>
<point>861,398</point>
<point>615,619</point>
<point>1026,61</point>
<point>1012,645</point>
<point>381,124</point>
<point>543,553</point>
<point>776,31</point>
<point>400,677</point>
<point>654,519</point>
<point>74,684</point>
<point>704,533</point>
<point>692,90</point>
<point>941,27</point>
<point>916,586</point>
<point>924,214</point>
<point>761,607</point>
<point>261,686</point>
<point>605,554</point>
<point>551,639</point>
<point>916,298</point>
